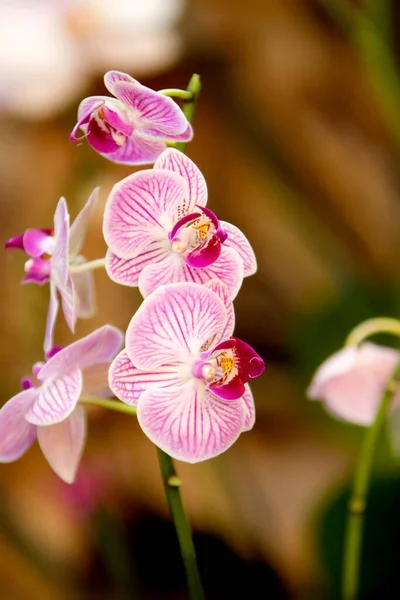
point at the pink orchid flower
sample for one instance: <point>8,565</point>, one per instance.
<point>159,231</point>
<point>185,372</point>
<point>52,255</point>
<point>351,382</point>
<point>47,409</point>
<point>131,128</point>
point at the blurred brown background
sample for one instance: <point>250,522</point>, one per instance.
<point>300,151</point>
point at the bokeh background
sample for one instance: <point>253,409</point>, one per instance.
<point>298,136</point>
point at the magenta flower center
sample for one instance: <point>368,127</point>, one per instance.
<point>109,126</point>
<point>192,234</point>
<point>220,368</point>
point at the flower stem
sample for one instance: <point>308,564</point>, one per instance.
<point>114,405</point>
<point>175,93</point>
<point>372,327</point>
<point>171,485</point>
<point>189,105</point>
<point>358,500</point>
<point>99,263</point>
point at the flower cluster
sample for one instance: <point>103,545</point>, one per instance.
<point>182,368</point>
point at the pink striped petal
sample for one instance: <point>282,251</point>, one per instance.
<point>228,268</point>
<point>186,136</point>
<point>79,227</point>
<point>99,346</point>
<point>238,241</point>
<point>95,381</point>
<point>128,383</point>
<point>59,259</point>
<point>67,293</point>
<point>155,115</point>
<point>222,292</point>
<point>113,77</point>
<point>126,271</point>
<point>16,434</point>
<point>62,444</point>
<point>176,161</point>
<point>56,399</point>
<point>134,207</point>
<point>172,324</point>
<point>84,292</point>
<point>137,150</point>
<point>85,110</point>
<point>250,418</point>
<point>189,423</point>
<point>51,318</point>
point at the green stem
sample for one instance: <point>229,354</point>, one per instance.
<point>99,263</point>
<point>189,106</point>
<point>372,327</point>
<point>172,484</point>
<point>358,500</point>
<point>114,405</point>
<point>175,93</point>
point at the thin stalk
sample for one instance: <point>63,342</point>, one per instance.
<point>358,500</point>
<point>372,327</point>
<point>172,484</point>
<point>175,93</point>
<point>189,106</point>
<point>114,405</point>
<point>99,263</point>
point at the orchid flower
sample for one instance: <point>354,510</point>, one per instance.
<point>54,255</point>
<point>159,230</point>
<point>185,373</point>
<point>351,382</point>
<point>48,409</point>
<point>131,128</point>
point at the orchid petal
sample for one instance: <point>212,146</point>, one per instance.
<point>111,78</point>
<point>126,271</point>
<point>189,423</point>
<point>67,294</point>
<point>56,399</point>
<point>99,346</point>
<point>186,136</point>
<point>95,380</point>
<point>238,241</point>
<point>219,288</point>
<point>16,434</point>
<point>206,256</point>
<point>176,161</point>
<point>59,260</point>
<point>16,242</point>
<point>250,409</point>
<point>228,268</point>
<point>137,150</point>
<point>337,365</point>
<point>233,390</point>
<point>133,209</point>
<point>128,383</point>
<point>62,444</point>
<point>38,241</point>
<point>85,110</point>
<point>51,318</point>
<point>84,292</point>
<point>156,115</point>
<point>172,323</point>
<point>79,227</point>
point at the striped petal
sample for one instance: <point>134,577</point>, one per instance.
<point>176,161</point>
<point>99,346</point>
<point>219,288</point>
<point>79,227</point>
<point>84,291</point>
<point>16,434</point>
<point>239,242</point>
<point>113,77</point>
<point>126,271</point>
<point>59,259</point>
<point>250,418</point>
<point>62,444</point>
<point>56,399</point>
<point>172,324</point>
<point>228,268</point>
<point>134,207</point>
<point>137,150</point>
<point>51,318</point>
<point>128,383</point>
<point>189,423</point>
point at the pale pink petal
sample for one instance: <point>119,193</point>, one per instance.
<point>51,318</point>
<point>128,383</point>
<point>84,292</point>
<point>336,365</point>
<point>95,381</point>
<point>137,150</point>
<point>176,161</point>
<point>173,323</point>
<point>126,271</point>
<point>238,241</point>
<point>219,288</point>
<point>67,293</point>
<point>99,346</point>
<point>59,259</point>
<point>189,423</point>
<point>135,206</point>
<point>154,114</point>
<point>62,444</point>
<point>113,77</point>
<point>16,434</point>
<point>56,399</point>
<point>79,227</point>
<point>228,268</point>
<point>250,418</point>
<point>85,110</point>
<point>186,136</point>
